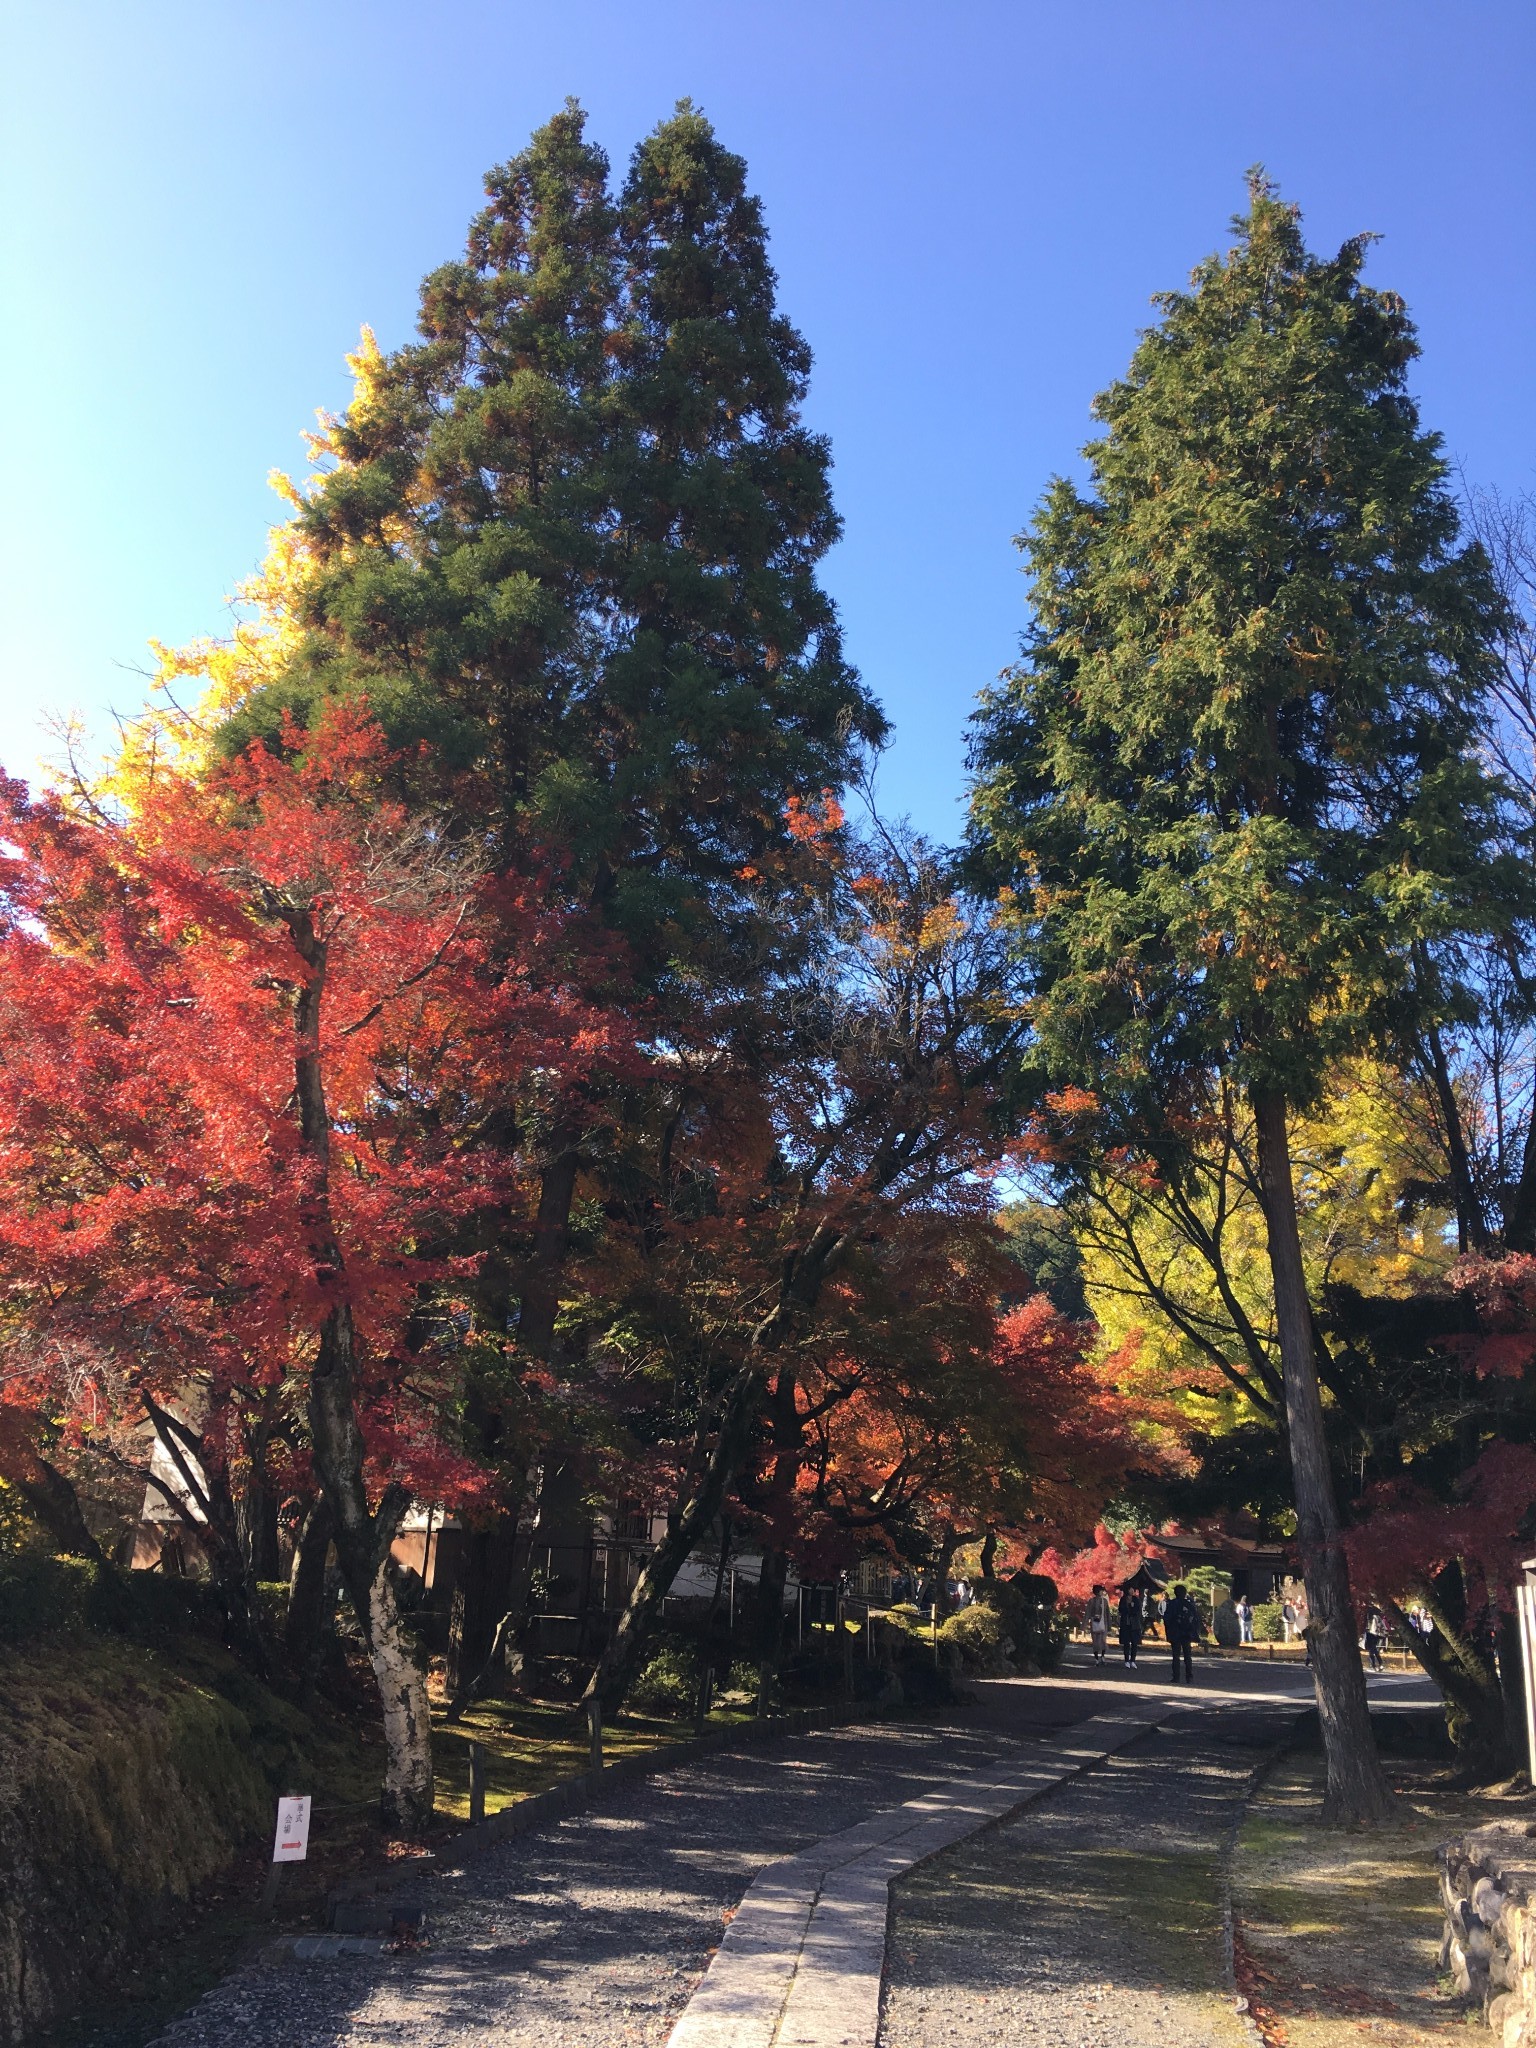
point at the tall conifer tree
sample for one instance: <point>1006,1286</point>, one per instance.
<point>572,535</point>
<point>1232,784</point>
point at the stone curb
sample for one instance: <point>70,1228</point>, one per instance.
<point>802,1961</point>
<point>364,1911</point>
<point>1227,1860</point>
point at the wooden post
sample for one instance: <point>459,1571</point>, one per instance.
<point>703,1698</point>
<point>476,1784</point>
<point>595,1716</point>
<point>426,1553</point>
<point>269,1890</point>
<point>934,1616</point>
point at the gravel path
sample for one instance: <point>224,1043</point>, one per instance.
<point>1093,1919</point>
<point>594,1933</point>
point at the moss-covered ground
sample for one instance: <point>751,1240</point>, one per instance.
<point>1339,1928</point>
<point>529,1745</point>
<point>68,1705</point>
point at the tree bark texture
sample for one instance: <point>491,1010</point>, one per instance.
<point>1471,1229</point>
<point>256,1512</point>
<point>482,1599</point>
<point>551,1235</point>
<point>1356,1789</point>
<point>206,1490</point>
<point>304,1630</point>
<point>362,1536</point>
<point>362,1541</point>
<point>44,1488</point>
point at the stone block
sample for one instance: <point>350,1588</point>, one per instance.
<point>1461,1975</point>
<point>1488,1901</point>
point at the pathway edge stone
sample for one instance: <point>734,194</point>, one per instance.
<point>802,1962</point>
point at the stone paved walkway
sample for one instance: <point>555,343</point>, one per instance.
<point>802,1962</point>
<point>595,1933</point>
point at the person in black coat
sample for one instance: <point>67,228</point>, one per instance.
<point>1181,1619</point>
<point>1132,1617</point>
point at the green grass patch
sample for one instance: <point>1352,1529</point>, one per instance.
<point>529,1745</point>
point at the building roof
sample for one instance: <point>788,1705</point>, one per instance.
<point>1232,1553</point>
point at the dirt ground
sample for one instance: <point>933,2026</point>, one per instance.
<point>1338,1929</point>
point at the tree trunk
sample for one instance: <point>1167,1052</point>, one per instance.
<point>256,1513</point>
<point>1512,1690</point>
<point>949,1542</point>
<point>1474,1702</point>
<point>304,1631</point>
<point>1520,1207</point>
<point>482,1602</point>
<point>540,1303</point>
<point>771,1584</point>
<point>44,1488</point>
<point>362,1551</point>
<point>205,1483</point>
<point>362,1538</point>
<point>521,1620</point>
<point>689,1521</point>
<point>1471,1230</point>
<point>1356,1788</point>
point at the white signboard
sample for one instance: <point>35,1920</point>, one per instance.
<point>292,1844</point>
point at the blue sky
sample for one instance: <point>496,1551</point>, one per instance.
<point>970,206</point>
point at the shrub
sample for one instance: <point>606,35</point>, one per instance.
<point>42,1596</point>
<point>668,1682</point>
<point>978,1638</point>
<point>1268,1624</point>
<point>742,1680</point>
<point>1038,1622</point>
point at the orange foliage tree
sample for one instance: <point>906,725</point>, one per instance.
<point>254,1038</point>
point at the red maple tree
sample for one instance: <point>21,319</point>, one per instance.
<point>255,1036</point>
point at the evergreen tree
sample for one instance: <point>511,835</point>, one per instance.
<point>571,536</point>
<point>1231,786</point>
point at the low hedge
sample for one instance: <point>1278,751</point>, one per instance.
<point>42,1596</point>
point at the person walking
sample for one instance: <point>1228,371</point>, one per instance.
<point>1245,1620</point>
<point>1375,1637</point>
<point>1182,1623</point>
<point>1132,1617</point>
<point>1098,1623</point>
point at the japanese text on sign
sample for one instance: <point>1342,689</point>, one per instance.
<point>292,1843</point>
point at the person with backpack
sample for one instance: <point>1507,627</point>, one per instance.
<point>1182,1622</point>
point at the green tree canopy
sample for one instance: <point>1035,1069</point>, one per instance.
<point>1230,796</point>
<point>1234,778</point>
<point>571,535</point>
